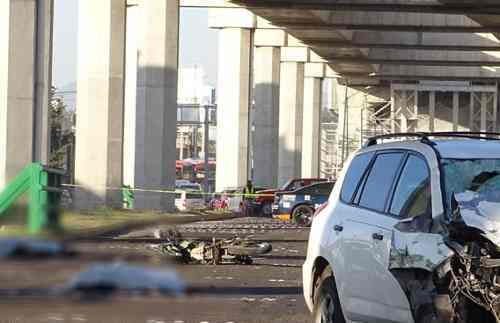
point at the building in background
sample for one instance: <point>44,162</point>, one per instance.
<point>195,144</point>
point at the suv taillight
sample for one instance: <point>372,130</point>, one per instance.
<point>321,208</point>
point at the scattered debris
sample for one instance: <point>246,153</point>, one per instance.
<point>268,299</point>
<point>248,299</point>
<point>30,248</point>
<point>120,276</point>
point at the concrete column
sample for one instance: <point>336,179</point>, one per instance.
<point>232,108</point>
<point>43,81</point>
<point>290,121</point>
<point>311,127</point>
<point>132,33</point>
<point>99,124</point>
<point>25,50</point>
<point>432,110</point>
<point>266,115</point>
<point>151,160</point>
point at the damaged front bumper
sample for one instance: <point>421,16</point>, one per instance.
<point>455,276</point>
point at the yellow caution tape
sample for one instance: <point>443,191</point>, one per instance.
<point>135,189</point>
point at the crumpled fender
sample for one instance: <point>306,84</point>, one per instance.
<point>417,250</point>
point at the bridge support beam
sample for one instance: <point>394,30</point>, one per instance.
<point>290,120</point>
<point>266,115</point>
<point>100,85</point>
<point>151,119</point>
<point>233,107</point>
<point>25,78</point>
<point>311,127</point>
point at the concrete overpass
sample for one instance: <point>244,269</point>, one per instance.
<point>394,65</point>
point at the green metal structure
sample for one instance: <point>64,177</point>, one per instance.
<point>43,186</point>
<point>128,197</point>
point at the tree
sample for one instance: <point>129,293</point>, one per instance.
<point>61,130</point>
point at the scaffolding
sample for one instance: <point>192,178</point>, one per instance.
<point>482,102</point>
<point>413,107</point>
<point>328,162</point>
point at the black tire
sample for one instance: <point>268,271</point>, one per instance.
<point>253,249</point>
<point>303,215</point>
<point>326,301</point>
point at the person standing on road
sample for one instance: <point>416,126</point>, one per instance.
<point>248,193</point>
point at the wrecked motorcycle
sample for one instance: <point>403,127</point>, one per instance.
<point>216,251</point>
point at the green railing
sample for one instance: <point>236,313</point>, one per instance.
<point>43,186</point>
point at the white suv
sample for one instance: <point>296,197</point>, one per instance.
<point>410,233</point>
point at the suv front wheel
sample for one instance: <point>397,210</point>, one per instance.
<point>326,301</point>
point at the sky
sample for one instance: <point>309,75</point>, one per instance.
<point>198,43</point>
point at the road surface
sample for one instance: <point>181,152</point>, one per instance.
<point>267,291</point>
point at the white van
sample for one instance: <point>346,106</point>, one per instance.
<point>187,200</point>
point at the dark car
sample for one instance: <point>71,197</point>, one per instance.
<point>265,199</point>
<point>300,205</point>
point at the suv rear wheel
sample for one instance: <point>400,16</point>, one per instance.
<point>326,301</point>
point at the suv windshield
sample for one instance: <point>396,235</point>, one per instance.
<point>470,175</point>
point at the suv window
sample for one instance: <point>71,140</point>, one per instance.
<point>412,196</point>
<point>379,181</point>
<point>353,175</point>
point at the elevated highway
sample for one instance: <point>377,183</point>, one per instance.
<point>394,39</point>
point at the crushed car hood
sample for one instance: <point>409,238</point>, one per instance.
<point>481,210</point>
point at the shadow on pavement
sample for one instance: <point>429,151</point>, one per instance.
<point>247,290</point>
<point>282,257</point>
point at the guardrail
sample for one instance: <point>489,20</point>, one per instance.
<point>44,187</point>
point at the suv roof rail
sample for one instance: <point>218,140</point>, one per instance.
<point>424,136</point>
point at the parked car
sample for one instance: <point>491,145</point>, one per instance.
<point>300,204</point>
<point>264,202</point>
<point>410,233</point>
<point>186,200</point>
<point>187,185</point>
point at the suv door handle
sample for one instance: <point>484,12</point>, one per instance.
<point>377,236</point>
<point>338,228</point>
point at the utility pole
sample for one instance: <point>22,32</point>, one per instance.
<point>345,130</point>
<point>205,145</point>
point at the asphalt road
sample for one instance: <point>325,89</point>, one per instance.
<point>267,291</point>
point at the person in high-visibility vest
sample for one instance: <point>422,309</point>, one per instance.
<point>249,189</point>
<point>248,192</point>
